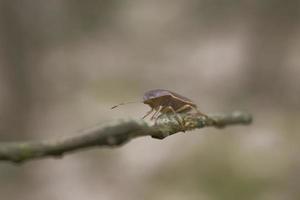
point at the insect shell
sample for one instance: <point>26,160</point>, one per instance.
<point>164,101</point>
<point>165,98</point>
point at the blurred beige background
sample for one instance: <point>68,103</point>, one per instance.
<point>63,64</point>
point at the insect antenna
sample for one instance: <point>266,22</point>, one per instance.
<point>124,103</point>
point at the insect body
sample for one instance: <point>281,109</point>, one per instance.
<point>164,101</point>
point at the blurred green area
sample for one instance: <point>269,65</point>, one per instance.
<point>220,170</point>
<point>63,64</point>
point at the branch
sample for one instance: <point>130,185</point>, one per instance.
<point>115,134</point>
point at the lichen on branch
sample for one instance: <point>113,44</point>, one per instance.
<point>115,134</point>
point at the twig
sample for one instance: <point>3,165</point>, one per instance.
<point>115,134</point>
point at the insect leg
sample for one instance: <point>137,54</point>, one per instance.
<point>156,112</point>
<point>200,113</point>
<point>189,106</point>
<point>178,118</point>
<point>161,114</point>
<point>148,113</point>
<point>185,107</point>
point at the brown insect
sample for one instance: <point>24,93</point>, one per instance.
<point>164,101</point>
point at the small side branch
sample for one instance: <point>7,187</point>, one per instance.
<point>115,134</point>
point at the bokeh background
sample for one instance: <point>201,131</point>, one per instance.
<point>63,64</point>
